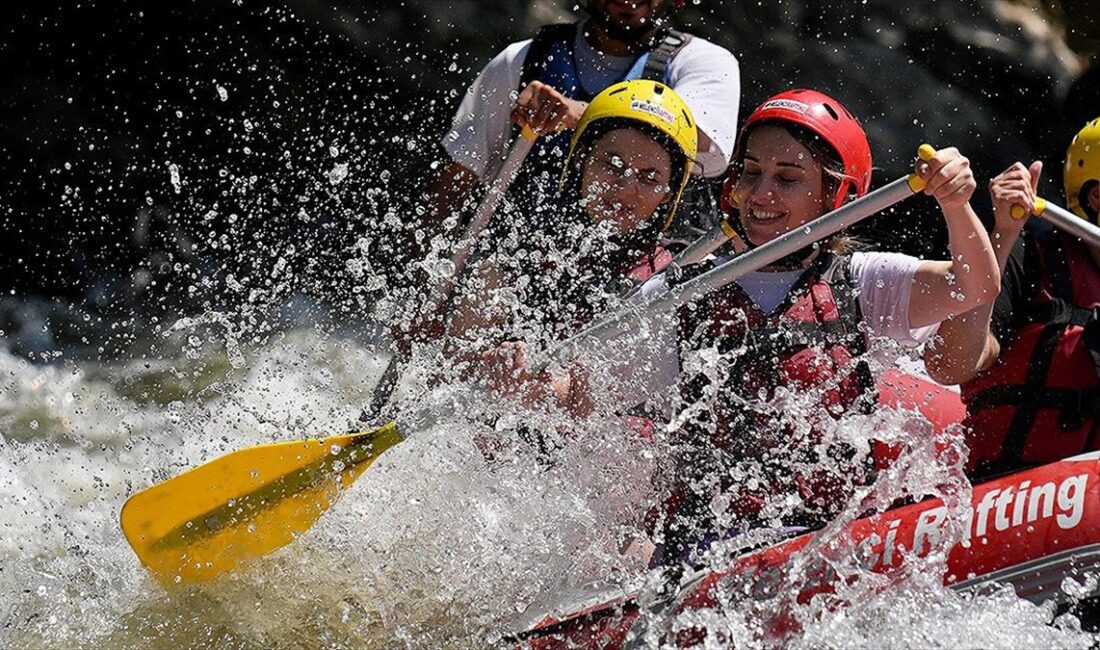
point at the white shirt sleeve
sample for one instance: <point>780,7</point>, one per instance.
<point>885,283</point>
<point>707,76</point>
<point>482,124</point>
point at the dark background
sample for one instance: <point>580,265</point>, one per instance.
<point>98,99</point>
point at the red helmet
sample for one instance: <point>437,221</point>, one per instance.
<point>827,118</point>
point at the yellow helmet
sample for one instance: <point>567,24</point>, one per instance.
<point>654,105</point>
<point>1082,166</point>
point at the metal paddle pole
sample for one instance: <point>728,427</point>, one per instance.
<point>745,263</point>
<point>1063,220</point>
<point>489,204</point>
<point>441,293</point>
<point>698,250</point>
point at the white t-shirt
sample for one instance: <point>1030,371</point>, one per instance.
<point>884,282</point>
<point>705,75</point>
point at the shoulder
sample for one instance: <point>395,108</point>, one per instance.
<point>884,266</point>
<point>701,51</point>
<point>510,57</point>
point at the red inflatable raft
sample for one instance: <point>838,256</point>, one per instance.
<point>1030,530</point>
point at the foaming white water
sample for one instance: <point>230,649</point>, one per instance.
<point>433,546</point>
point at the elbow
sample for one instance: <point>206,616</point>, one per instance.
<point>944,368</point>
<point>982,294</point>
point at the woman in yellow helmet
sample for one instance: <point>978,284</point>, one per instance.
<point>1030,380</point>
<point>549,273</point>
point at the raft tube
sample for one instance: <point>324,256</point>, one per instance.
<point>1031,530</point>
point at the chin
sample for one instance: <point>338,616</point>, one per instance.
<point>759,235</point>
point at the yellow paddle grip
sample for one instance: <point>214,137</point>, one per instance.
<point>1019,212</point>
<point>925,152</point>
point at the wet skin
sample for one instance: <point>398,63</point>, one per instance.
<point>625,179</point>
<point>781,186</point>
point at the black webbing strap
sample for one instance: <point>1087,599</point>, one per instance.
<point>1037,368</point>
<point>1075,405</point>
<point>657,62</point>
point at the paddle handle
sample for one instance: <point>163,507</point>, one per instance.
<point>755,259</point>
<point>1063,220</point>
<point>521,147</point>
<point>485,210</point>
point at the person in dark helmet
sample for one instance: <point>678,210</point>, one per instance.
<point>546,82</point>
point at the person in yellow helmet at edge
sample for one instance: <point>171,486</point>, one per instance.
<point>1030,379</point>
<point>538,281</point>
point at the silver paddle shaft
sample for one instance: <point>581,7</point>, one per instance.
<point>489,204</point>
<point>743,264</point>
<point>1070,223</point>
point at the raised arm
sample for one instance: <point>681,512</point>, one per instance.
<point>965,345</point>
<point>971,278</point>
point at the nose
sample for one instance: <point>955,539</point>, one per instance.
<point>761,191</point>
<point>627,182</point>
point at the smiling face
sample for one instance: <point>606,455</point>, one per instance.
<point>781,186</point>
<point>626,178</point>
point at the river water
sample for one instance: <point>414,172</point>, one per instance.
<point>432,547</point>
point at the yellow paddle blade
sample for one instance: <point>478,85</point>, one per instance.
<point>246,504</point>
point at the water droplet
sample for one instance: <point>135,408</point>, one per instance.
<point>223,94</point>
<point>338,173</point>
<point>174,177</point>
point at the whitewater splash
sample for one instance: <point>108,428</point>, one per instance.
<point>433,546</point>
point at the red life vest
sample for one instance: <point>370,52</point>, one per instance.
<point>811,342</point>
<point>1041,401</point>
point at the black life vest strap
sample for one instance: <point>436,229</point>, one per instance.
<point>656,64</point>
<point>1037,369</point>
<point>1063,312</point>
<point>839,277</point>
<point>1075,405</point>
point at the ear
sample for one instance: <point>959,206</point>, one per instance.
<point>1094,198</point>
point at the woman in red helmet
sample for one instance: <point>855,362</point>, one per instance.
<point>769,359</point>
